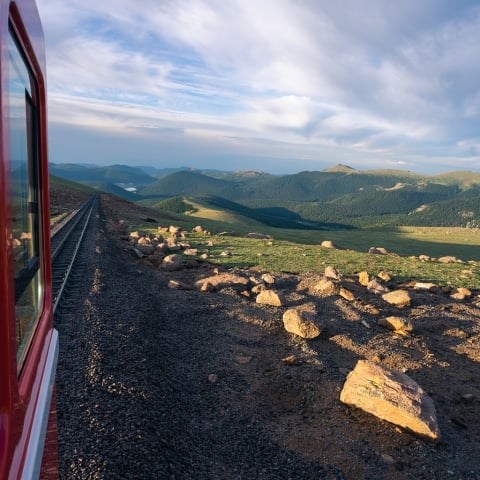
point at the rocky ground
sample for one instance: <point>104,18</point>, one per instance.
<point>158,379</point>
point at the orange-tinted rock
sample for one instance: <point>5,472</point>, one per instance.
<point>301,323</point>
<point>399,298</point>
<point>391,396</point>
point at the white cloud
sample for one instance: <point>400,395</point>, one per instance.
<point>383,78</point>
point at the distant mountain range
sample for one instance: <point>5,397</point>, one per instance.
<point>337,195</point>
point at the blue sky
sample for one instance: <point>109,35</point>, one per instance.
<point>274,85</point>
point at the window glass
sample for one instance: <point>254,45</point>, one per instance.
<point>24,180</point>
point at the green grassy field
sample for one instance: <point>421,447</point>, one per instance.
<point>299,251</point>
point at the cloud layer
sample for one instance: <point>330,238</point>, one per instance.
<point>292,84</point>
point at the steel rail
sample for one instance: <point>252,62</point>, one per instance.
<point>85,214</point>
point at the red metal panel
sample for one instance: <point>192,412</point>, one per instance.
<point>19,395</point>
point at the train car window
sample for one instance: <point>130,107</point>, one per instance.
<point>25,211</point>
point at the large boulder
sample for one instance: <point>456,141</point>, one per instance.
<point>301,322</point>
<point>391,396</point>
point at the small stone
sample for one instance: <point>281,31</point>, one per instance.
<point>424,258</point>
<point>204,256</point>
<point>190,252</point>
<point>268,278</point>
<point>468,397</point>
<point>363,278</point>
<point>206,287</point>
<point>332,273</point>
<point>376,287</point>
<point>425,286</point>
<point>172,262</point>
<point>461,293</point>
<point>365,324</point>
<point>177,285</point>
<point>400,325</point>
<point>387,458</point>
<point>225,254</point>
<point>372,310</point>
<point>245,293</point>
<point>301,322</point>
<point>346,294</point>
<point>448,259</point>
<point>399,298</point>
<point>325,287</point>
<point>270,297</point>
<point>291,360</point>
<point>258,288</point>
<point>378,251</point>
<point>328,244</point>
<point>212,378</point>
<point>222,280</point>
<point>243,359</point>
<point>385,276</point>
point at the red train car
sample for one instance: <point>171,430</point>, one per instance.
<point>28,341</point>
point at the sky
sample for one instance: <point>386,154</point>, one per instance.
<point>273,85</point>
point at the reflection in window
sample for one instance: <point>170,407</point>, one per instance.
<point>24,178</point>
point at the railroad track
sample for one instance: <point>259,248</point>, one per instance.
<point>65,248</point>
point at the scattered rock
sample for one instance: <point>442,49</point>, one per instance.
<point>225,253</point>
<point>204,256</point>
<point>328,244</point>
<point>222,280</point>
<point>191,252</point>
<point>268,278</point>
<point>378,251</point>
<point>258,288</point>
<point>346,294</point>
<point>391,396</point>
<point>376,287</point>
<point>363,278</point>
<point>177,285</point>
<point>242,359</point>
<point>212,378</point>
<point>172,262</point>
<point>228,234</point>
<point>332,273</point>
<point>424,258</point>
<point>146,249</point>
<point>270,297</point>
<point>385,276</point>
<point>461,293</point>
<point>198,229</point>
<point>325,287</point>
<point>291,360</point>
<point>448,259</point>
<point>371,309</point>
<point>399,325</point>
<point>301,323</point>
<point>424,286</point>
<point>399,298</point>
